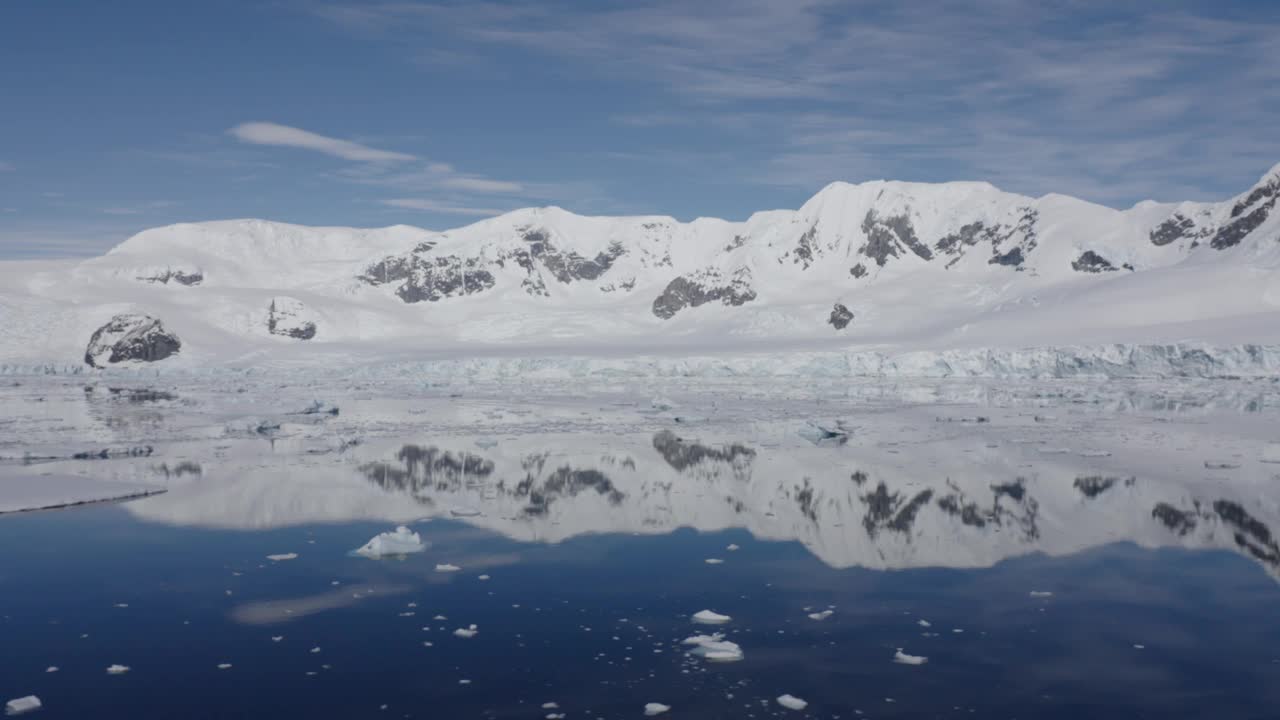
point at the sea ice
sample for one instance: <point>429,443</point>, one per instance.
<point>651,709</point>
<point>791,702</point>
<point>731,547</point>
<point>714,561</point>
<point>468,632</point>
<point>710,617</point>
<point>821,615</point>
<point>1040,594</point>
<point>224,666</point>
<point>117,669</point>
<point>904,659</point>
<point>21,705</point>
<point>400,542</point>
<point>715,648</point>
<point>283,556</point>
<point>447,568</point>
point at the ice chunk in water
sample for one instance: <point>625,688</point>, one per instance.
<point>791,702</point>
<point>22,705</point>
<point>283,556</point>
<point>468,632</point>
<point>447,568</point>
<point>117,669</point>
<point>710,617</point>
<point>400,542</point>
<point>715,648</point>
<point>904,659</point>
<point>821,615</point>
<point>651,709</point>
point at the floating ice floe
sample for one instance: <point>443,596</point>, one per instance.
<point>467,632</point>
<point>447,568</point>
<point>550,705</point>
<point>715,648</point>
<point>224,666</point>
<point>17,706</point>
<point>710,617</point>
<point>651,709</point>
<point>823,615</point>
<point>924,623</point>
<point>283,556</point>
<point>1040,594</point>
<point>277,638</point>
<point>732,547</point>
<point>714,561</point>
<point>51,669</point>
<point>791,702</point>
<point>400,542</point>
<point>904,659</point>
<point>483,577</point>
<point>117,669</point>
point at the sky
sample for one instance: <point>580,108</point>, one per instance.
<point>116,117</point>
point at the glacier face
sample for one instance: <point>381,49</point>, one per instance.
<point>948,279</point>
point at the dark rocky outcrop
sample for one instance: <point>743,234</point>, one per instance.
<point>892,511</point>
<point>888,236</point>
<point>1012,258</point>
<point>1247,215</point>
<point>130,337</point>
<point>840,317</point>
<point>285,318</point>
<point>704,287</point>
<point>181,277</point>
<point>1177,227</point>
<point>681,455</point>
<point>858,271</point>
<point>1091,262</point>
<point>1179,521</point>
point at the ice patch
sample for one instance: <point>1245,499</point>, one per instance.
<point>714,561</point>
<point>1040,594</point>
<point>283,556</point>
<point>732,547</point>
<point>467,632</point>
<point>791,702</point>
<point>924,623</point>
<point>400,542</point>
<point>715,648</point>
<point>447,568</point>
<point>710,617</point>
<point>904,659</point>
<point>651,709</point>
<point>823,615</point>
<point>224,666</point>
<point>117,669</point>
<point>17,706</point>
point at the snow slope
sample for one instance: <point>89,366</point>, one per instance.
<point>951,268</point>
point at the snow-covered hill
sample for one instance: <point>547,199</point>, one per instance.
<point>880,267</point>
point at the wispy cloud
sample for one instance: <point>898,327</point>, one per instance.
<point>445,208</point>
<point>267,133</point>
<point>482,185</point>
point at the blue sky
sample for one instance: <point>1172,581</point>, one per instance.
<point>119,116</point>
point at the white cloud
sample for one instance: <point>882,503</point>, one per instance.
<point>439,207</point>
<point>482,185</point>
<point>266,133</point>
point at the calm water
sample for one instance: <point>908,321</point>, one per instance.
<point>1048,564</point>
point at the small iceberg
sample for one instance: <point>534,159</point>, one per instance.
<point>714,561</point>
<point>447,568</point>
<point>904,659</point>
<point>283,556</point>
<point>791,702</point>
<point>710,617</point>
<point>467,632</point>
<point>714,648</point>
<point>17,706</point>
<point>117,669</point>
<point>821,615</point>
<point>400,542</point>
<point>651,709</point>
<point>1040,594</point>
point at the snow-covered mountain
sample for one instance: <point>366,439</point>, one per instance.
<point>884,266</point>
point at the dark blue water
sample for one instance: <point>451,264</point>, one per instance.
<point>594,624</point>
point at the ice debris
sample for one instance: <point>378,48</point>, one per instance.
<point>447,568</point>
<point>283,556</point>
<point>715,648</point>
<point>714,561</point>
<point>400,542</point>
<point>467,632</point>
<point>904,659</point>
<point>117,669</point>
<point>651,709</point>
<point>791,702</point>
<point>21,705</point>
<point>1040,594</point>
<point>821,615</point>
<point>710,617</point>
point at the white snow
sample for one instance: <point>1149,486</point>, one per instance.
<point>653,708</point>
<point>714,648</point>
<point>22,705</point>
<point>710,617</point>
<point>792,702</point>
<point>904,659</point>
<point>399,542</point>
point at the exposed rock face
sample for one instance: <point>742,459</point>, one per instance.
<point>423,276</point>
<point>840,317</point>
<point>890,236</point>
<point>1177,227</point>
<point>704,287</point>
<point>288,317</point>
<point>130,337</point>
<point>1091,262</point>
<point>181,277</point>
<point>1247,215</point>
